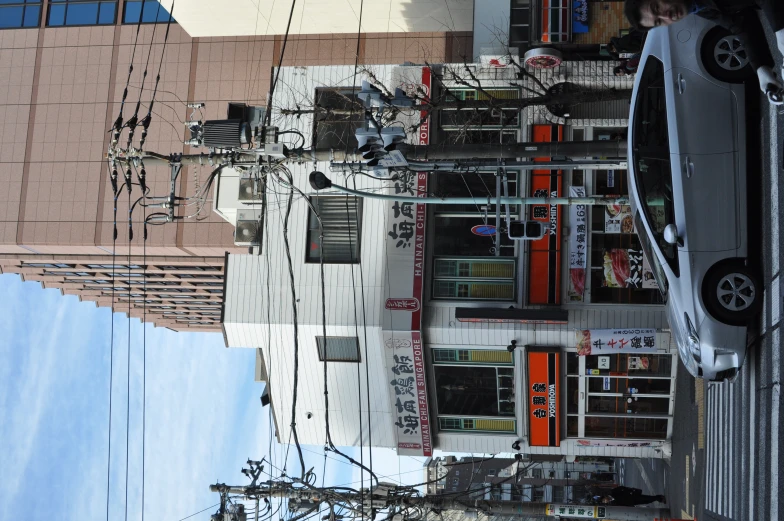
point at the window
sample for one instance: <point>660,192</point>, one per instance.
<point>340,220</point>
<point>339,115</point>
<point>189,268</point>
<point>483,125</point>
<point>520,24</point>
<point>18,13</point>
<point>474,389</point>
<point>338,348</point>
<point>151,12</point>
<point>555,22</point>
<point>113,266</point>
<point>651,157</point>
<point>46,265</point>
<point>81,12</point>
<point>467,266</point>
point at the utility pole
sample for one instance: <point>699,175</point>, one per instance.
<point>493,151</point>
<point>489,152</point>
<point>399,499</point>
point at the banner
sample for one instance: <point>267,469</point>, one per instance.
<point>544,255</point>
<point>618,219</point>
<point>606,341</point>
<point>402,316</point>
<point>405,361</point>
<point>544,402</point>
<point>622,268</point>
<point>578,245</point>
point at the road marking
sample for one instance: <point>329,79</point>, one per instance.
<point>751,361</point>
<point>775,301</point>
<point>699,397</point>
<point>644,475</point>
<point>774,193</point>
<point>688,503</point>
<point>774,424</point>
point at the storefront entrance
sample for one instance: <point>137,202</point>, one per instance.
<point>621,396</point>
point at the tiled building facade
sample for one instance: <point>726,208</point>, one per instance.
<point>61,89</point>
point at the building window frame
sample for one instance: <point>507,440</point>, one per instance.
<point>167,17</point>
<point>338,349</point>
<point>29,14</point>
<point>58,13</point>
<point>342,234</point>
<point>336,129</point>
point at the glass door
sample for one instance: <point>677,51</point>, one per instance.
<point>619,396</point>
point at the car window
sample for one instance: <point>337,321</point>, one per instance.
<point>651,157</point>
<point>653,260</point>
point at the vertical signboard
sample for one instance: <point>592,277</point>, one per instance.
<point>544,412</point>
<point>405,267</point>
<point>405,233</point>
<point>578,245</point>
<point>544,260</point>
<point>405,361</point>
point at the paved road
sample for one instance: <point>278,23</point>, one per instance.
<point>727,438</point>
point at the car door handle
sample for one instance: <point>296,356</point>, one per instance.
<point>681,83</point>
<point>688,167</point>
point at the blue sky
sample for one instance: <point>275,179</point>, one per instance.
<point>203,415</point>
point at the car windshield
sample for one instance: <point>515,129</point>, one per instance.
<point>651,158</point>
<point>653,260</point>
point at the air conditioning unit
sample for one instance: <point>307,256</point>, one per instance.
<point>249,192</point>
<point>247,231</point>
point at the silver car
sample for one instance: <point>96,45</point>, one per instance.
<point>687,182</point>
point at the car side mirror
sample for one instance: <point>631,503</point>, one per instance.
<point>671,235</point>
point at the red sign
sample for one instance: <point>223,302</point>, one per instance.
<point>544,259</point>
<point>544,410</point>
<point>421,212</point>
<point>402,304</point>
<point>402,325</point>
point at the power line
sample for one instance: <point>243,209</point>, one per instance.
<point>280,63</point>
<point>128,367</point>
<point>113,175</point>
<point>199,512</point>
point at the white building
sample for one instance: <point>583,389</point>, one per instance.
<point>420,311</point>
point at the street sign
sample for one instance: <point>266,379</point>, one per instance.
<point>576,511</point>
<point>484,230</point>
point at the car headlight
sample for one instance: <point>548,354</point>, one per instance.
<point>685,338</point>
<point>692,339</point>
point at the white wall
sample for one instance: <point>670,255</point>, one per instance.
<point>263,17</point>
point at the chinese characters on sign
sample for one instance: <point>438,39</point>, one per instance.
<point>603,341</point>
<point>578,245</point>
<point>580,511</point>
<point>406,366</point>
<point>543,406</point>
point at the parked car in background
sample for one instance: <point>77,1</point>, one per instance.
<point>687,179</point>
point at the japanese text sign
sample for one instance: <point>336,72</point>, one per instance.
<point>622,340</point>
<point>544,417</point>
<point>578,245</point>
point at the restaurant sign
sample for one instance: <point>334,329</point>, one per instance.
<point>405,362</point>
<point>405,271</point>
<point>544,418</point>
<point>621,340</point>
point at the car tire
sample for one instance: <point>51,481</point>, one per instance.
<point>724,57</point>
<point>732,293</point>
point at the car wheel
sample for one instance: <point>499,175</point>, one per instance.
<point>733,293</point>
<point>724,56</point>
